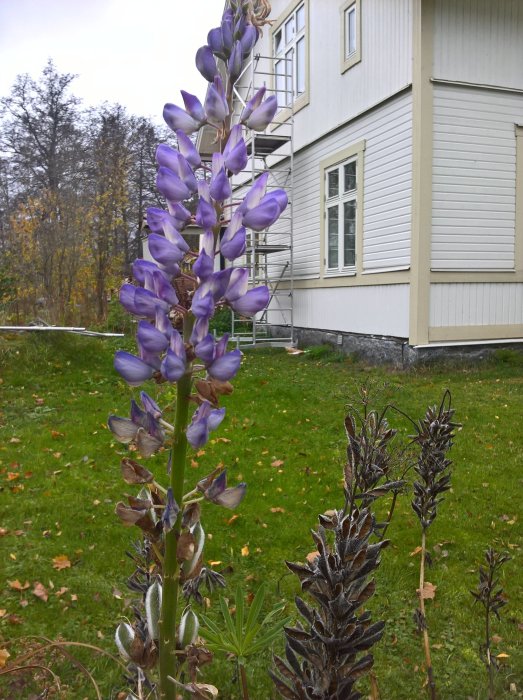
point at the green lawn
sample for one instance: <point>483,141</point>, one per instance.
<point>60,480</point>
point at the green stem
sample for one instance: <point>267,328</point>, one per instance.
<point>171,569</point>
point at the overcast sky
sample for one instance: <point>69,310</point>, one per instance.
<point>139,53</point>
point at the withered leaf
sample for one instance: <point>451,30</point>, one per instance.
<point>185,547</point>
<point>134,473</point>
<point>429,591</point>
<point>40,591</point>
<point>17,586</point>
<point>61,562</point>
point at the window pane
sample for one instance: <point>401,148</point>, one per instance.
<point>277,42</point>
<point>333,183</point>
<point>300,18</point>
<point>349,176</point>
<point>300,66</point>
<point>280,82</point>
<point>349,233</point>
<point>289,64</point>
<point>332,233</point>
<point>350,29</point>
<point>289,30</point>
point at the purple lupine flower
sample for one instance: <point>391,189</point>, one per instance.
<point>163,289</point>
<point>234,64</point>
<point>227,31</point>
<point>188,149</point>
<point>238,284</point>
<point>232,244</point>
<point>255,194</point>
<point>220,364</point>
<point>173,160</point>
<point>150,405</point>
<point>177,119</point>
<point>163,251</point>
<point>170,512</point>
<point>216,104</point>
<point>206,214</point>
<point>235,151</point>
<point>200,330</point>
<point>171,186</point>
<point>204,420</point>
<point>193,106</point>
<point>264,215</point>
<point>202,304</point>
<point>220,187</point>
<point>150,338</point>
<point>203,266</point>
<point>252,302</point>
<point>143,269</point>
<point>262,116</point>
<point>169,223</point>
<point>218,493</point>
<point>248,39</point>
<point>140,302</point>
<point>206,63</point>
<point>134,370</point>
<point>174,363</point>
<point>215,42</point>
<point>253,103</point>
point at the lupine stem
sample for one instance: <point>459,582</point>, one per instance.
<point>426,643</point>
<point>171,569</point>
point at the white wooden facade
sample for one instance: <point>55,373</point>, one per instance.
<point>431,109</point>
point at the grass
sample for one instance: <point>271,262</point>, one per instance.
<point>59,481</point>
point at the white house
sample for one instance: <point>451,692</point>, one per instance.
<point>406,118</point>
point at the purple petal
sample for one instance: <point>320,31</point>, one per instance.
<point>147,303</point>
<point>197,434</point>
<point>138,416</point>
<point>217,486</point>
<point>163,289</point>
<point>237,158</point>
<point>193,106</point>
<point>205,349</point>
<point>171,512</point>
<point>167,156</point>
<point>206,215</point>
<point>252,104</point>
<point>155,219</point>
<point>206,63</point>
<point>255,194</point>
<point>226,367</point>
<point>131,368</point>
<point>200,330</point>
<point>263,115</point>
<point>238,284</point>
<point>235,247</point>
<point>215,41</point>
<point>171,186</point>
<point>215,418</point>
<point>227,33</point>
<point>207,243</point>
<point>262,216</point>
<point>203,266</point>
<point>188,149</point>
<point>177,345</point>
<point>220,188</point>
<point>178,119</point>
<point>180,214</point>
<point>150,405</point>
<point>151,339</point>
<point>162,322</point>
<point>202,305</point>
<point>216,105</point>
<point>163,251</point>
<point>248,39</point>
<point>234,64</point>
<point>173,367</point>
<point>255,300</point>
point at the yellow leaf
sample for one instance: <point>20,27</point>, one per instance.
<point>4,655</point>
<point>502,656</point>
<point>311,556</point>
<point>17,586</point>
<point>429,590</point>
<point>415,551</point>
<point>61,562</point>
<point>214,563</point>
<point>277,510</point>
<point>245,551</point>
<point>232,519</point>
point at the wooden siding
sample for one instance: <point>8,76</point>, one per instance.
<point>488,304</point>
<point>479,41</point>
<point>474,171</point>
<point>380,309</point>
<point>384,69</point>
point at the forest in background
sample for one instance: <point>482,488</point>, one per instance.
<point>74,186</point>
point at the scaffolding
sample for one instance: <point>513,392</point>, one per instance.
<point>269,253</point>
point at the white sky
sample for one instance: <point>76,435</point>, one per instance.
<point>139,53</point>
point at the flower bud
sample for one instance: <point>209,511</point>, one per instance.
<point>153,609</point>
<point>124,638</point>
<point>188,629</point>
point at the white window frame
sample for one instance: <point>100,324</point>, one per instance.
<point>336,201</point>
<point>350,55</point>
<point>296,95</point>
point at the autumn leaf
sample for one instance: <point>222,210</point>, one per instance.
<point>312,556</point>
<point>429,591</point>
<point>245,551</point>
<point>232,519</point>
<point>4,655</point>
<point>415,551</point>
<point>14,440</point>
<point>55,434</point>
<point>17,586</point>
<point>278,510</point>
<point>40,591</point>
<point>277,463</point>
<point>61,562</point>
<point>502,656</point>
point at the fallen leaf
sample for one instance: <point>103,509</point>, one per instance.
<point>61,562</point>
<point>278,510</point>
<point>4,655</point>
<point>3,612</point>
<point>429,591</point>
<point>222,439</point>
<point>277,463</point>
<point>14,440</point>
<point>502,656</point>
<point>214,563</point>
<point>232,519</point>
<point>496,638</point>
<point>61,591</point>
<point>17,586</point>
<point>415,551</point>
<point>3,531</point>
<point>245,551</point>
<point>311,556</point>
<point>56,434</point>
<point>40,591</point>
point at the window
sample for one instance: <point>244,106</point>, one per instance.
<point>342,202</point>
<point>350,34</point>
<point>340,210</point>
<point>289,51</point>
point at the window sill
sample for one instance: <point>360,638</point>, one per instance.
<point>351,61</point>
<point>340,273</point>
